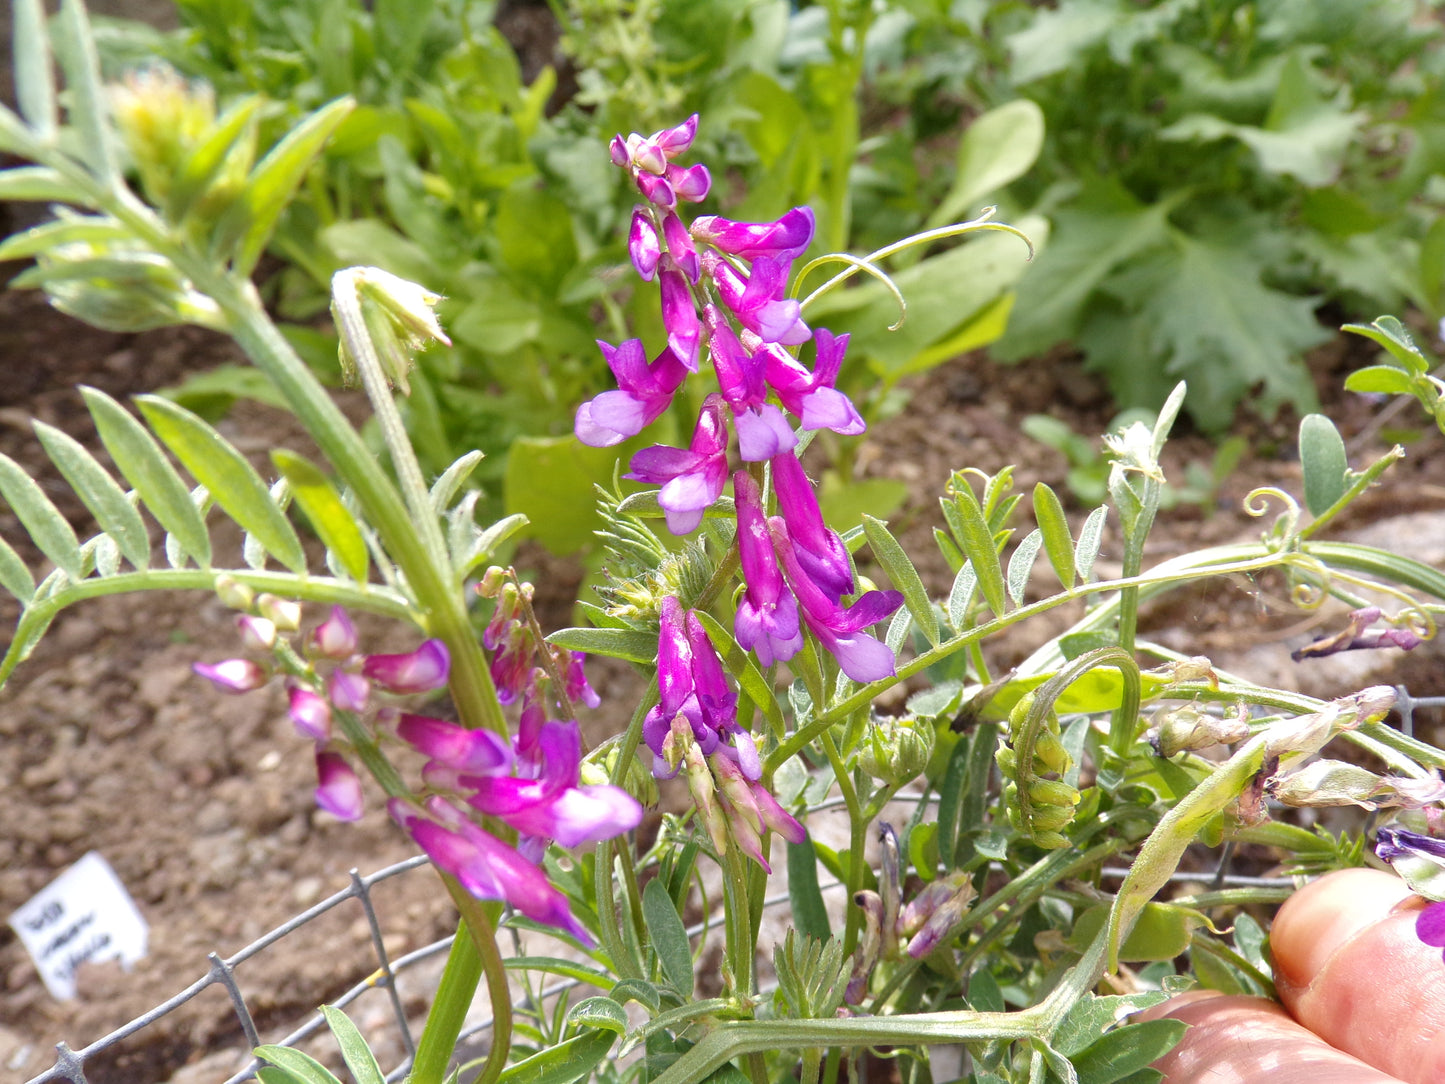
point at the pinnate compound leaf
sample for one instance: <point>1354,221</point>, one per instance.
<point>1323,461</point>
<point>14,575</point>
<point>1091,536</point>
<point>47,528</point>
<point>977,543</point>
<point>332,520</point>
<point>99,492</point>
<point>904,576</point>
<point>232,481</point>
<point>1021,565</point>
<point>75,49</point>
<point>1054,527</point>
<point>354,1051</point>
<point>142,463</point>
<point>669,936</point>
<point>1391,334</point>
<point>296,1064</point>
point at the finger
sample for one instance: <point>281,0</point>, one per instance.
<point>1249,1040</point>
<point>1349,966</point>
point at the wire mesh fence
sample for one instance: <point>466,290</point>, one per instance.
<point>70,1064</point>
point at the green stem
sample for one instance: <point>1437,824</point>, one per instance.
<point>857,832</point>
<point>459,981</point>
<point>739,928</point>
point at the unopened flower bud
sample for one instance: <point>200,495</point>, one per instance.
<point>490,585</point>
<point>704,796</point>
<point>338,790</point>
<point>897,750</point>
<point>334,638</point>
<point>257,633</point>
<point>234,594</point>
<point>348,691</point>
<point>310,714</point>
<point>281,612</point>
<point>233,675</point>
<point>1053,792</point>
<point>1335,783</point>
<point>1187,728</point>
<point>162,116</point>
<point>870,946</point>
<point>407,320</point>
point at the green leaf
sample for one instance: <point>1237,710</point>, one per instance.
<point>88,112</point>
<point>638,990</point>
<point>1123,1052</point>
<point>961,594</point>
<point>300,1066</point>
<point>194,175</point>
<point>669,936</point>
<point>599,1012</point>
<point>34,76</point>
<point>64,231</point>
<point>1391,334</point>
<point>1162,932</point>
<point>1056,39</point>
<point>97,489</point>
<point>1385,379</point>
<point>810,916</point>
<point>1091,536</point>
<point>977,543</point>
<point>444,489</point>
<point>904,576</point>
<point>950,799</point>
<point>550,480</point>
<point>997,149</point>
<point>354,1051</point>
<point>271,1074</point>
<point>270,186</point>
<point>1323,461</point>
<point>1092,1016</point>
<point>485,544</point>
<point>231,481</point>
<point>1021,565</point>
<point>39,183</point>
<point>47,528</point>
<point>332,520</point>
<point>142,464</point>
<point>628,644</point>
<point>14,575</point>
<point>1054,527</point>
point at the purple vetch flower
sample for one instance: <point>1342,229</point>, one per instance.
<point>767,614</point>
<point>861,656</point>
<point>757,301</point>
<point>643,245</point>
<point>643,392</point>
<point>511,666</point>
<point>751,810</point>
<point>1393,843</point>
<point>484,865</point>
<point>334,638</point>
<point>788,237</point>
<point>453,746</point>
<point>763,431</point>
<point>338,790</point>
<point>257,633</point>
<point>820,551</point>
<point>812,396</point>
<point>1358,636</point>
<point>310,713</point>
<point>348,691</point>
<point>679,315</point>
<point>649,160</point>
<point>233,675</point>
<point>578,688</point>
<point>680,247</point>
<point>1430,925</point>
<point>418,671</point>
<point>692,478</point>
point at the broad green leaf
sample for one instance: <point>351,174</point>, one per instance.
<point>234,131</point>
<point>1323,461</point>
<point>332,520</point>
<point>1091,536</point>
<point>1391,334</point>
<point>14,576</point>
<point>810,916</point>
<point>997,149</point>
<point>34,76</point>
<point>1120,1054</point>
<point>39,183</point>
<point>1092,1015</point>
<point>961,595</point>
<point>354,1051</point>
<point>628,644</point>
<point>88,111</point>
<point>444,489</point>
<point>599,1012</point>
<point>1162,931</point>
<point>1054,527</point>
<point>1383,379</point>
<point>231,481</point>
<point>669,936</point>
<point>533,231</point>
<point>300,1066</point>
<point>95,487</point>
<point>272,183</point>
<point>904,576</point>
<point>1021,565</point>
<point>1057,38</point>
<point>550,480</point>
<point>978,545</point>
<point>47,528</point>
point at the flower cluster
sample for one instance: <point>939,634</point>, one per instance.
<point>530,784</point>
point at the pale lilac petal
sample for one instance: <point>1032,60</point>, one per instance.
<point>232,675</point>
<point>416,671</point>
<point>589,432</point>
<point>348,691</point>
<point>829,408</point>
<point>763,433</point>
<point>338,790</point>
<point>643,245</point>
<point>861,657</point>
<point>310,714</point>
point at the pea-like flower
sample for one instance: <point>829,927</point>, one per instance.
<point>233,675</point>
<point>692,478</point>
<point>643,393</point>
<point>310,714</point>
<point>334,638</point>
<point>812,396</point>
<point>767,614</point>
<point>679,315</point>
<point>763,431</point>
<point>820,551</point>
<point>418,671</point>
<point>338,790</point>
<point>643,246</point>
<point>788,237</point>
<point>757,300</point>
<point>649,160</point>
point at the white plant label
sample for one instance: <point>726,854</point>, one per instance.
<point>84,914</point>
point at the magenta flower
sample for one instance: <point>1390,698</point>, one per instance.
<point>233,675</point>
<point>767,614</point>
<point>418,671</point>
<point>338,790</point>
<point>575,676</point>
<point>788,237</point>
<point>348,691</point>
<point>334,638</point>
<point>511,667</point>
<point>820,551</point>
<point>812,396</point>
<point>310,714</point>
<point>751,810</point>
<point>691,479</point>
<point>861,656</point>
<point>1358,636</point>
<point>484,865</point>
<point>679,316</point>
<point>643,393</point>
<point>763,431</point>
<point>680,247</point>
<point>453,746</point>
<point>757,301</point>
<point>1430,925</point>
<point>643,245</point>
<point>649,160</point>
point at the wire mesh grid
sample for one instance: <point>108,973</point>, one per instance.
<point>70,1064</point>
